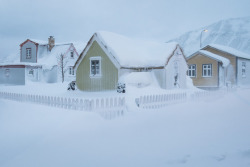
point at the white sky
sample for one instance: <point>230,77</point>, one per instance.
<point>77,20</point>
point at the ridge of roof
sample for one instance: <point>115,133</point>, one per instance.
<point>229,50</point>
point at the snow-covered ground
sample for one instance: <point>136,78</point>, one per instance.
<point>207,132</point>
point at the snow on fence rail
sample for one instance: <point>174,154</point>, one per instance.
<point>158,101</point>
<point>68,102</point>
<point>163,100</point>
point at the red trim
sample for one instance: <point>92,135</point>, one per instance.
<point>13,66</point>
<point>28,40</point>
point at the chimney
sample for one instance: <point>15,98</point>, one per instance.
<point>51,42</point>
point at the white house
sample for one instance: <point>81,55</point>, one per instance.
<point>39,61</point>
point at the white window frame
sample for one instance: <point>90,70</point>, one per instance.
<point>7,72</point>
<point>72,54</point>
<point>28,53</point>
<point>243,69</point>
<point>207,67</point>
<point>71,71</point>
<point>191,70</point>
<point>90,67</point>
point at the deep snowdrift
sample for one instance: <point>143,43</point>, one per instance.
<point>209,132</point>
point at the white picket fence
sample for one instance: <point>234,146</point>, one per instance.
<point>163,100</point>
<point>158,101</point>
<point>117,103</point>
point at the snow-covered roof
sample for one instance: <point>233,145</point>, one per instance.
<point>229,50</point>
<point>79,46</point>
<point>136,52</point>
<point>40,42</point>
<point>49,58</point>
<point>132,53</point>
<point>45,58</point>
<point>225,62</point>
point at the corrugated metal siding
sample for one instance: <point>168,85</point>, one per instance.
<point>109,78</point>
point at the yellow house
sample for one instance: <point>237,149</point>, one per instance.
<point>215,66</point>
<point>108,57</point>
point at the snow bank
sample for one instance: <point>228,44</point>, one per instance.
<point>200,133</point>
<point>139,79</point>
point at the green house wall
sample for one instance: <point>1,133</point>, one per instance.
<point>109,77</point>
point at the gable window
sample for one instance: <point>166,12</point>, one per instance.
<point>7,72</point>
<point>31,72</point>
<point>206,70</point>
<point>72,54</point>
<point>243,69</point>
<point>71,71</point>
<point>28,53</point>
<point>95,67</point>
<point>192,70</point>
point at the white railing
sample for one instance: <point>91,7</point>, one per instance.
<point>158,101</point>
<point>163,100</point>
<point>201,94</point>
<point>68,102</point>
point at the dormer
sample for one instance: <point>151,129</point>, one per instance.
<point>28,51</point>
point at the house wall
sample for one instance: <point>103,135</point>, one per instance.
<point>176,65</point>
<point>199,80</point>
<point>50,76</point>
<point>109,77</point>
<point>33,47</point>
<point>70,63</point>
<point>160,75</point>
<point>243,80</point>
<point>232,70</point>
<point>36,76</point>
<point>15,76</point>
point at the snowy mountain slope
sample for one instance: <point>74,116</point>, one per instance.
<point>234,33</point>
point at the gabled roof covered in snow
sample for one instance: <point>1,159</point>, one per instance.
<point>45,58</point>
<point>35,41</point>
<point>228,50</point>
<point>225,62</point>
<point>131,53</point>
<point>49,58</point>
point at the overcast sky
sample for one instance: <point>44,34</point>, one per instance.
<point>77,20</point>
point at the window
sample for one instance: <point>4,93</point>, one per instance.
<point>7,72</point>
<point>28,53</point>
<point>71,71</point>
<point>206,70</point>
<point>31,72</point>
<point>95,66</point>
<point>243,69</point>
<point>72,54</point>
<point>192,70</point>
